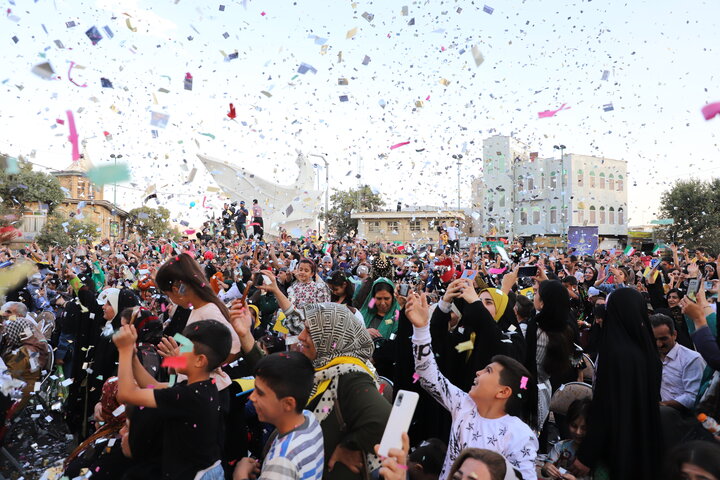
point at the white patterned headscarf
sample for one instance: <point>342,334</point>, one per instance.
<point>336,333</point>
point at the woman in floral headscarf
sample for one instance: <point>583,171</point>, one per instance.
<point>345,397</point>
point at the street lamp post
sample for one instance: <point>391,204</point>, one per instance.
<point>458,157</point>
<point>115,159</point>
<point>562,148</point>
<point>327,188</point>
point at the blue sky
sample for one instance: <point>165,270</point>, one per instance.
<point>662,57</point>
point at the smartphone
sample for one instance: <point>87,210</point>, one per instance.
<point>528,271</point>
<point>403,289</point>
<point>469,274</point>
<point>708,286</point>
<point>693,287</point>
<point>399,421</point>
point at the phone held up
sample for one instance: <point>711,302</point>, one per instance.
<point>399,422</point>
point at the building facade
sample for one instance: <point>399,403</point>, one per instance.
<point>526,196</point>
<point>82,200</point>
<point>418,227</point>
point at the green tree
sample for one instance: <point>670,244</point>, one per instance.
<point>64,232</point>
<point>694,205</point>
<point>151,222</point>
<point>27,186</point>
<point>344,203</point>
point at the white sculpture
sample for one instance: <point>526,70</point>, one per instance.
<point>292,207</point>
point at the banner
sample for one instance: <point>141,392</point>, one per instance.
<point>583,239</point>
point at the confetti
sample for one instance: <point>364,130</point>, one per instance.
<point>174,362</point>
<point>488,10</point>
<point>73,65</point>
<point>129,25</point>
<point>44,71</point>
<point>605,75</point>
<point>416,377</point>
<point>608,107</point>
<point>105,174</point>
<point>551,113</point>
<point>398,145</point>
<point>523,383</point>
<point>105,83</point>
<point>232,113</point>
<point>368,16</point>
<point>371,303</point>
<point>304,68</point>
<point>73,137</point>
<point>188,81</point>
<point>477,56</point>
<point>94,35</point>
<point>159,119</point>
<point>710,110</point>
<point>351,33</point>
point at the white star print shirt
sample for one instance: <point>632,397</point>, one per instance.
<point>506,435</point>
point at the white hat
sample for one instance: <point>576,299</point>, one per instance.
<point>111,295</point>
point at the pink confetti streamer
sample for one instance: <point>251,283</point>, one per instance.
<point>523,383</point>
<point>551,113</point>
<point>72,64</point>
<point>397,145</point>
<point>73,137</point>
<point>710,110</point>
<point>397,315</point>
<point>371,303</point>
<point>416,377</point>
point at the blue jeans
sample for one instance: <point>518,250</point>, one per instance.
<point>214,472</point>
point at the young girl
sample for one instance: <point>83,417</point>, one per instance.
<point>563,453</point>
<point>497,410</point>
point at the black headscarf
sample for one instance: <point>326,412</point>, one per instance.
<point>624,429</point>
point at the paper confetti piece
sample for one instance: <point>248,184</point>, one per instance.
<point>72,65</point>
<point>118,411</point>
<point>488,10</point>
<point>188,82</point>
<point>371,303</point>
<point>551,113</point>
<point>73,137</point>
<point>368,16</point>
<point>416,377</point>
<point>606,75</point>
<point>382,388</point>
<point>108,32</point>
<point>246,383</point>
<point>710,110</point>
<point>208,135</point>
<point>129,25</point>
<point>351,33</point>
<point>523,383</point>
<point>608,107</point>
<point>174,362</point>
<point>464,346</point>
<point>44,71</point>
<point>477,56</point>
<point>304,68</point>
<point>171,380</point>
<point>398,145</point>
<point>158,119</point>
<point>232,113</point>
<point>106,174</point>
<point>94,35</point>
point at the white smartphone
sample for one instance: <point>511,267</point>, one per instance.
<point>399,421</point>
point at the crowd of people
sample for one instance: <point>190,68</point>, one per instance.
<point>231,355</point>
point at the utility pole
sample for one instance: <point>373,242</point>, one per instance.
<point>562,148</point>
<point>327,187</point>
<point>458,157</point>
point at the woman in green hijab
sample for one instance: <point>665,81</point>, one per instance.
<point>381,310</point>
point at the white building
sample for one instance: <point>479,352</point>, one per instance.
<point>525,196</point>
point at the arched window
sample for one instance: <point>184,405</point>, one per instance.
<point>611,216</point>
<point>520,183</point>
<point>602,216</point>
<point>580,178</point>
<point>592,180</point>
<point>621,216</point>
<point>620,183</point>
<point>553,216</point>
<point>602,180</point>
<point>580,215</point>
<point>523,217</point>
<point>593,219</point>
<point>553,180</point>
<point>535,216</point>
<point>530,183</point>
<point>611,182</point>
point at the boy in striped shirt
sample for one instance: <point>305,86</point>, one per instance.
<point>283,382</point>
